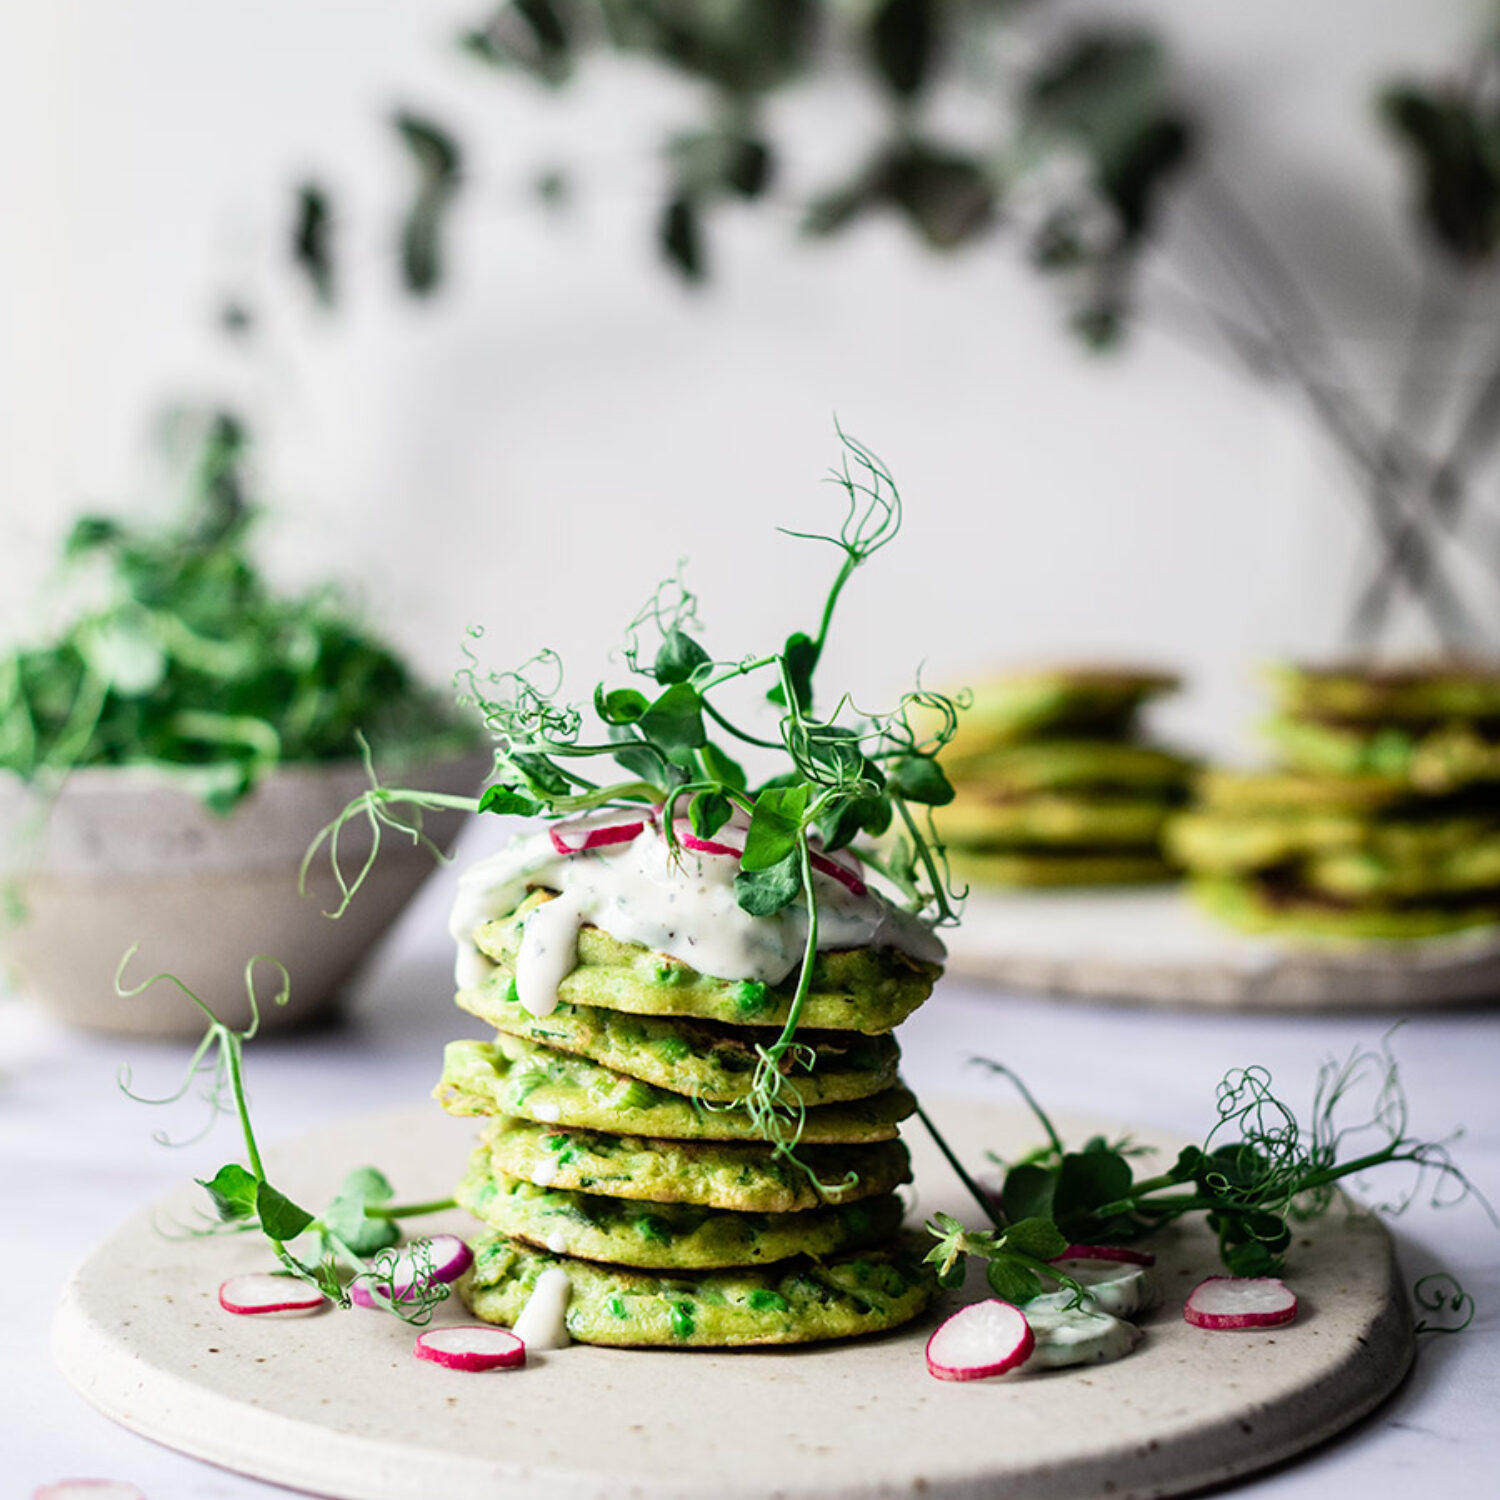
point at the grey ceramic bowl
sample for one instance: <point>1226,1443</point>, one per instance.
<point>129,856</point>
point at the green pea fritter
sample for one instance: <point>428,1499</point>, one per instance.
<point>852,989</point>
<point>1072,765</point>
<point>1282,791</point>
<point>1255,907</point>
<point>1050,820</point>
<point>746,1176</point>
<point>667,1236</point>
<point>791,1303</point>
<point>1428,694</point>
<point>1096,701</point>
<point>702,1058</point>
<point>1433,760</point>
<point>513,1077</point>
<point>1025,868</point>
<point>1222,843</point>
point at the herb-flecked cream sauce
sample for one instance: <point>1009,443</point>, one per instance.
<point>681,904</point>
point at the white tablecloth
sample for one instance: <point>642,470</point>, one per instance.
<point>76,1158</point>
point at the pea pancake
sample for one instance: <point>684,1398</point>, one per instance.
<point>1257,907</point>
<point>1434,760</point>
<point>853,989</point>
<point>667,1236</point>
<point>1373,873</point>
<point>1026,868</point>
<point>1069,764</point>
<point>1259,791</point>
<point>1024,705</point>
<point>704,1059</point>
<point>746,1176</point>
<point>803,1301</point>
<point>1051,821</point>
<point>1422,695</point>
<point>514,1077</point>
<point>1223,843</point>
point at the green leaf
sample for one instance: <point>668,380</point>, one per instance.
<point>708,812</point>
<point>347,1218</point>
<point>765,892</point>
<point>801,654</point>
<point>680,236</point>
<point>1087,1179</point>
<point>903,38</point>
<point>775,824</point>
<point>919,778</point>
<point>509,802</point>
<point>312,251</point>
<point>1011,1281</point>
<point>233,1190</point>
<point>674,722</point>
<point>438,163</point>
<point>721,767</point>
<point>1037,1237</point>
<point>279,1216</point>
<point>622,706</point>
<point>1027,1193</point>
<point>678,658</point>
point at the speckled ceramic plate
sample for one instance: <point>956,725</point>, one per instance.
<point>335,1404</point>
<point>1154,947</point>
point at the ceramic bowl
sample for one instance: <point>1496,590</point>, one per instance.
<point>130,856</point>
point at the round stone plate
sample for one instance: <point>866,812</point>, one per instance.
<point>1152,946</point>
<point>335,1403</point>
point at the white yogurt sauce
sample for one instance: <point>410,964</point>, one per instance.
<point>542,1324</point>
<point>685,907</point>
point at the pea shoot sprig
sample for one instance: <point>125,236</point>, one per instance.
<point>663,744</point>
<point>1257,1172</point>
<point>352,1242</point>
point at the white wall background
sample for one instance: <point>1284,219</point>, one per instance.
<point>540,444</point>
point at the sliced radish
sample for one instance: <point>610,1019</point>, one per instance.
<point>1115,1288</point>
<point>87,1489</point>
<point>1240,1302</point>
<point>597,831</point>
<point>982,1339</point>
<point>1126,1253</point>
<point>843,867</point>
<point>265,1292</point>
<point>1076,1335</point>
<point>441,1259</point>
<point>730,840</point>
<point>472,1347</point>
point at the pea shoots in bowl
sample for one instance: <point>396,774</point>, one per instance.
<point>166,751</point>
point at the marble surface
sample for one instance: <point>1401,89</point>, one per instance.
<point>77,1158</point>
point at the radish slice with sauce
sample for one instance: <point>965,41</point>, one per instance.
<point>443,1258</point>
<point>1237,1303</point>
<point>983,1339</point>
<point>471,1347</point>
<point>264,1292</point>
<point>1124,1253</point>
<point>575,835</point>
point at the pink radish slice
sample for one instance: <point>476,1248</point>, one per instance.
<point>845,874</point>
<point>443,1258</point>
<point>472,1347</point>
<point>1123,1253</point>
<point>263,1292</point>
<point>728,840</point>
<point>575,835</point>
<point>1240,1302</point>
<point>982,1339</point>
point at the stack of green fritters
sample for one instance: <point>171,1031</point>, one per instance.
<point>1382,819</point>
<point>1055,784</point>
<point>623,1145</point>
